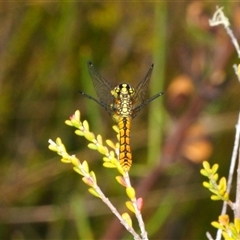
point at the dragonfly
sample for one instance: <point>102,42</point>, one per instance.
<point>123,103</point>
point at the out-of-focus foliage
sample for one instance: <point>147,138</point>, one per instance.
<point>44,47</point>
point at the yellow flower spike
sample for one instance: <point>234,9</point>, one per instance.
<point>206,166</point>
<point>85,166</point>
<point>131,192</point>
<point>99,139</point>
<point>89,136</point>
<point>127,219</point>
<point>86,125</point>
<point>129,205</point>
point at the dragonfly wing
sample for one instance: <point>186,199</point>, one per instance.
<point>141,93</point>
<point>102,87</point>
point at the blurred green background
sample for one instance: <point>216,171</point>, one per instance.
<point>44,47</point>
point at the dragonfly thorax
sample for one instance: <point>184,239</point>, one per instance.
<point>123,102</point>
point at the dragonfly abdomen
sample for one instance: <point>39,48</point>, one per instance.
<point>125,154</point>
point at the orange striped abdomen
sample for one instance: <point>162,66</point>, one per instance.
<point>125,154</point>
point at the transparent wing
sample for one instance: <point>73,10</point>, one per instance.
<point>141,93</point>
<point>102,87</point>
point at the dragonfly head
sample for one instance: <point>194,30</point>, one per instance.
<point>123,89</point>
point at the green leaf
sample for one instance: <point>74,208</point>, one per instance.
<point>94,192</point>
<point>92,146</point>
<point>109,165</point>
<point>204,172</point>
<point>217,225</point>
<point>206,166</point>
<point>79,132</point>
<point>215,168</point>
<point>131,192</point>
<point>86,125</point>
<point>215,198</point>
<point>130,206</point>
<point>78,170</point>
<point>121,180</point>
<point>127,219</point>
<point>85,166</point>
<point>92,174</point>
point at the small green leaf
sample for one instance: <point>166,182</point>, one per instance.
<point>204,172</point>
<point>206,166</point>
<point>89,136</point>
<point>99,139</point>
<point>94,192</point>
<point>69,123</point>
<point>103,150</point>
<point>215,198</point>
<point>92,146</point>
<point>127,219</point>
<point>85,166</point>
<point>121,180</point>
<point>110,143</point>
<point>217,225</point>
<point>131,192</point>
<point>65,160</point>
<point>206,184</point>
<point>215,177</point>
<point>215,168</point>
<point>77,115</point>
<point>53,148</point>
<point>92,174</point>
<point>130,206</point>
<point>106,159</point>
<point>79,132</point>
<point>109,165</point>
<point>222,184</point>
<point>88,181</point>
<point>78,170</point>
<point>86,125</point>
<point>237,224</point>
